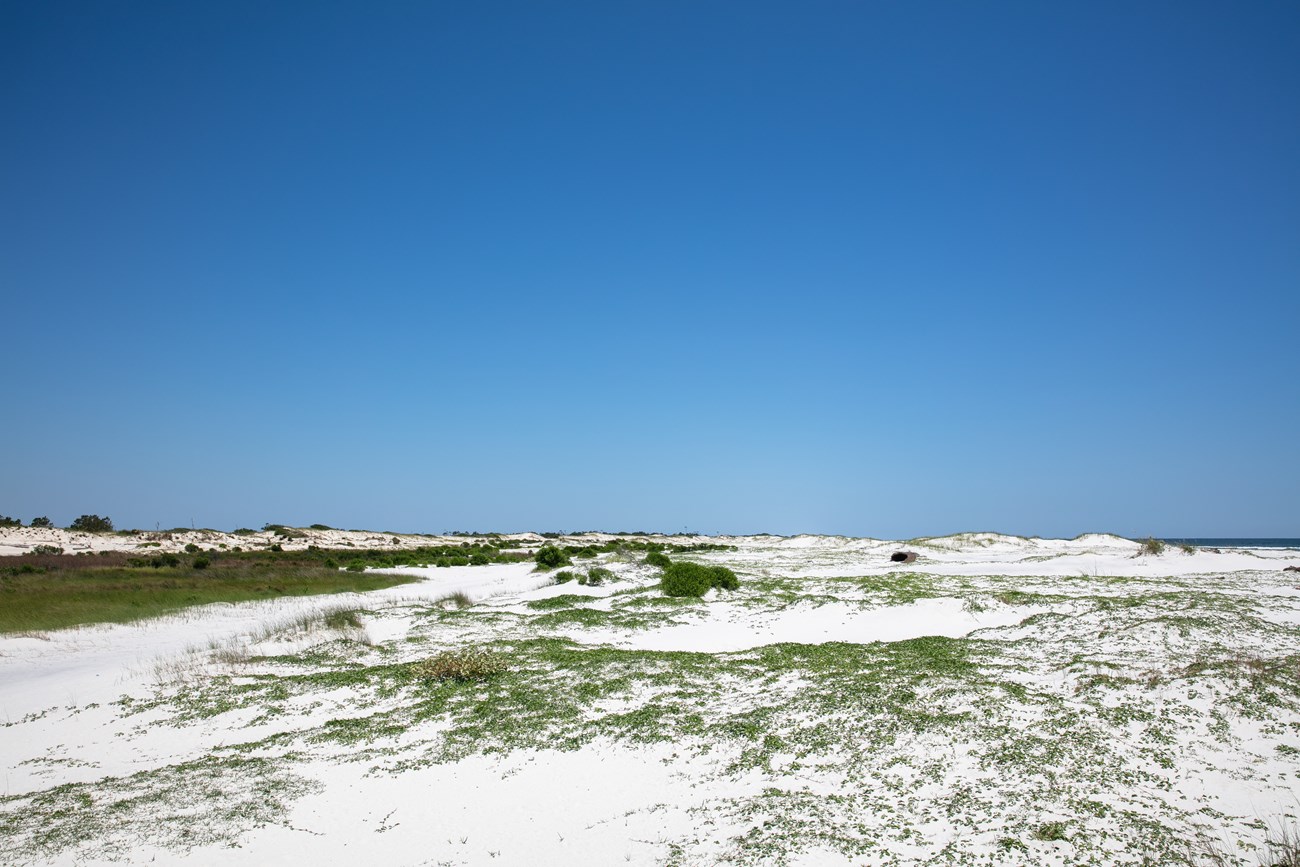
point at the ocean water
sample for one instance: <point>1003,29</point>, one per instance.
<point>1237,543</point>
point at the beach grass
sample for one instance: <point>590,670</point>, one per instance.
<point>42,593</point>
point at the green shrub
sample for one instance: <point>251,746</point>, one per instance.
<point>202,562</point>
<point>723,578</point>
<point>161,560</point>
<point>356,566</point>
<point>479,560</point>
<point>686,579</point>
<point>657,558</point>
<point>191,548</point>
<point>6,521</point>
<point>695,579</point>
<point>244,531</point>
<point>597,576</point>
<point>91,524</point>
<point>47,549</point>
<point>551,557</point>
<point>42,521</point>
<point>276,547</point>
<point>321,527</point>
<point>564,576</point>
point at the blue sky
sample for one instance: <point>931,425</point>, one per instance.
<point>868,268</point>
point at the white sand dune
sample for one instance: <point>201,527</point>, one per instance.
<point>837,709</point>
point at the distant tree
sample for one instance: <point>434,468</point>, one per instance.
<point>42,521</point>
<point>92,524</point>
<point>6,521</point>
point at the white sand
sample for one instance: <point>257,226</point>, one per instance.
<point>615,800</point>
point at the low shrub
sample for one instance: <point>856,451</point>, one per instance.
<point>191,548</point>
<point>564,576</point>
<point>685,579</point>
<point>695,579</point>
<point>460,665</point>
<point>320,527</point>
<point>597,576</point>
<point>47,549</point>
<point>657,558</point>
<point>202,562</point>
<point>723,578</point>
<point>551,557</point>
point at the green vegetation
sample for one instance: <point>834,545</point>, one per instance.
<point>6,521</point>
<point>91,524</point>
<point>42,521</point>
<point>657,558</point>
<point>696,579</point>
<point>551,557</point>
<point>55,591</point>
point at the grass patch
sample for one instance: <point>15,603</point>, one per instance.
<point>71,590</point>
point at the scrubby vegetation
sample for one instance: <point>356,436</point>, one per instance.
<point>6,521</point>
<point>657,558</point>
<point>551,557</point>
<point>696,579</point>
<point>1151,545</point>
<point>91,524</point>
<point>42,521</point>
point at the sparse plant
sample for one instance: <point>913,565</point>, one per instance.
<point>1050,831</point>
<point>91,524</point>
<point>460,665</point>
<point>1151,545</point>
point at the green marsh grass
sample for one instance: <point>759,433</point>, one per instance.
<point>40,593</point>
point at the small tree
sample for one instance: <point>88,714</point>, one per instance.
<point>92,524</point>
<point>6,521</point>
<point>42,521</point>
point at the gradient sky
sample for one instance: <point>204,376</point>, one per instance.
<point>872,268</point>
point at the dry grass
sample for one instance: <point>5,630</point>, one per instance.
<point>460,665</point>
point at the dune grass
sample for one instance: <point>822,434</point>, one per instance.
<point>59,591</point>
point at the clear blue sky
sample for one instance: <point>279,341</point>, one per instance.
<point>875,268</point>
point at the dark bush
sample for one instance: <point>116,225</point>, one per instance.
<point>276,547</point>
<point>564,576</point>
<point>686,579</point>
<point>162,560</point>
<point>321,527</point>
<point>42,521</point>
<point>47,549</point>
<point>479,560</point>
<point>657,558</point>
<point>6,521</point>
<point>92,524</point>
<point>723,578</point>
<point>191,548</point>
<point>202,562</point>
<point>551,557</point>
<point>356,566</point>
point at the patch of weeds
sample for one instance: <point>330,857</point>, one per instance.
<point>460,665</point>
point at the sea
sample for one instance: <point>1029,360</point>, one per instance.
<point>1237,543</point>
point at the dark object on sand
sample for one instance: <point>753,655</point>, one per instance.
<point>1291,569</point>
<point>903,557</point>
